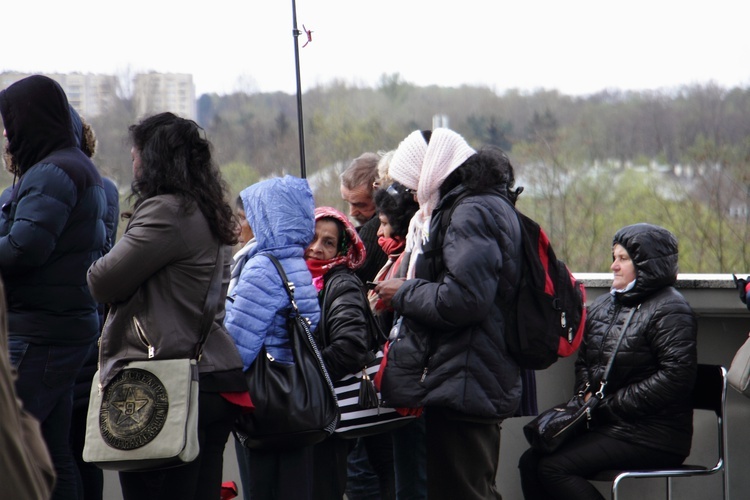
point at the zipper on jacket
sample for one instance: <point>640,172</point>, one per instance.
<point>99,385</point>
<point>143,338</point>
<point>426,363</point>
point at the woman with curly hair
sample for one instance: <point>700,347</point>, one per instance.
<point>180,229</point>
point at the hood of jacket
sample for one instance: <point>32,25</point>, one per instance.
<point>653,251</point>
<point>281,212</point>
<point>75,119</point>
<point>37,120</point>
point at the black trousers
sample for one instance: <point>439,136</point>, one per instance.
<point>462,458</point>
<point>562,475</point>
<point>280,475</point>
<point>201,478</point>
<point>329,470</point>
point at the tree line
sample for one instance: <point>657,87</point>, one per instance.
<point>679,157</point>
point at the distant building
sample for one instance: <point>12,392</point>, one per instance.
<point>440,121</point>
<point>158,92</point>
<point>90,94</point>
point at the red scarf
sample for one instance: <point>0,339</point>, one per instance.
<point>392,245</point>
<point>318,269</point>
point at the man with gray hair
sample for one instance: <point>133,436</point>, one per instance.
<point>372,453</point>
<point>357,182</point>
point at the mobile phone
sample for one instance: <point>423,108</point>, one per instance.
<point>371,284</point>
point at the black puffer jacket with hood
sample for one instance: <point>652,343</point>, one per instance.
<point>457,307</point>
<point>647,398</point>
<point>52,227</point>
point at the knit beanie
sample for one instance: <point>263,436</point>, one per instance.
<point>446,152</point>
<point>406,163</point>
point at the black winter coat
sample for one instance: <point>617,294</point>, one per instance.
<point>455,304</point>
<point>647,398</point>
<point>52,226</point>
<point>343,329</point>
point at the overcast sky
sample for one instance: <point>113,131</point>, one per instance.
<point>577,47</point>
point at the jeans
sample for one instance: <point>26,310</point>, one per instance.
<point>362,482</point>
<point>410,460</point>
<point>46,375</point>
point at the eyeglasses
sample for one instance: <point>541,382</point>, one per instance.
<point>394,191</point>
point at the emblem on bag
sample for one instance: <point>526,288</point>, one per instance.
<point>134,409</point>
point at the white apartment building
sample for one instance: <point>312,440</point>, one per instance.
<point>158,92</point>
<point>90,94</point>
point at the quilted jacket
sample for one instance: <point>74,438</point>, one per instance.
<point>280,212</point>
<point>647,397</point>
<point>52,223</point>
<point>457,309</point>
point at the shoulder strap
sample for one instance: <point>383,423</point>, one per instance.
<point>288,285</point>
<point>600,392</point>
<point>321,333</point>
<point>211,302</point>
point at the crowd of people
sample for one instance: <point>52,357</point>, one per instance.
<point>442,286</point>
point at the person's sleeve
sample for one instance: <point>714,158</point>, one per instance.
<point>153,240</point>
<point>473,262</point>
<point>251,316</point>
<point>347,329</point>
<point>45,201</point>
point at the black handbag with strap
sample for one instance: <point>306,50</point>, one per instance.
<point>553,427</point>
<point>295,404</point>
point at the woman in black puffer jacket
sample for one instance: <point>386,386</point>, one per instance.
<point>343,334</point>
<point>645,419</point>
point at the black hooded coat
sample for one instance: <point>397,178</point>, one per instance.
<point>52,227</point>
<point>647,398</point>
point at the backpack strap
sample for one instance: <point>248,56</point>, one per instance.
<point>434,252</point>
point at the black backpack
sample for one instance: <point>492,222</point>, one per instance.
<point>547,319</point>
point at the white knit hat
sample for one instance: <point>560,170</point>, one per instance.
<point>406,164</point>
<point>446,152</point>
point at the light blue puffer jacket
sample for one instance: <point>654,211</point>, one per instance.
<point>280,212</point>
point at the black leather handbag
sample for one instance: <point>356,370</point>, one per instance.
<point>553,427</point>
<point>295,404</point>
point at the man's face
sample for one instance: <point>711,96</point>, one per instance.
<point>361,205</point>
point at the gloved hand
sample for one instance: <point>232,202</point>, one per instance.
<point>743,287</point>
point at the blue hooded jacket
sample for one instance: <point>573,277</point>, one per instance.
<point>280,212</point>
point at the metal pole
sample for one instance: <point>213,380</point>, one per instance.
<point>296,33</point>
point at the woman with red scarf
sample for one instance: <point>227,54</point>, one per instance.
<point>395,207</point>
<point>335,252</point>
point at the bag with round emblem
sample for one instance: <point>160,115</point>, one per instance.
<point>145,418</point>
